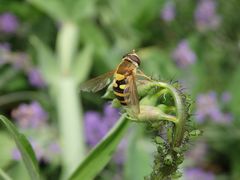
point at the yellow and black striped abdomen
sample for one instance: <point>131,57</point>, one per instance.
<point>120,87</point>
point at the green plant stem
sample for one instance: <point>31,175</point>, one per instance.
<point>180,111</point>
<point>71,125</point>
<point>179,125</point>
<point>67,43</point>
<point>4,176</point>
<point>68,104</point>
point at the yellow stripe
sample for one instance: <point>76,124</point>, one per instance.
<point>119,77</point>
<point>115,84</point>
<point>123,86</point>
<point>125,102</point>
<point>121,94</point>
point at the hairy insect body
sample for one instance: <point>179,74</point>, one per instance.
<point>124,82</point>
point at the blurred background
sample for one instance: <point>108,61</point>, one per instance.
<point>47,48</point>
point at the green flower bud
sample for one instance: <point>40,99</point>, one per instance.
<point>168,159</point>
<point>159,140</point>
<point>195,133</point>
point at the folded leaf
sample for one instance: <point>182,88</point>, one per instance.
<point>102,153</point>
<point>24,147</point>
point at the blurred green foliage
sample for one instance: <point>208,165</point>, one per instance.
<point>106,30</point>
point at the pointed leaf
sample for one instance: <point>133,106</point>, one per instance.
<point>46,60</point>
<point>54,8</point>
<point>4,176</point>
<point>139,155</point>
<point>24,147</point>
<point>102,153</point>
<point>82,65</point>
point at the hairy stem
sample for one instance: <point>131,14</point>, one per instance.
<point>179,121</point>
<point>179,125</point>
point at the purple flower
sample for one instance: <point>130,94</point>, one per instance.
<point>39,151</point>
<point>205,15</point>
<point>226,97</point>
<point>45,154</point>
<point>198,153</point>
<point>8,23</point>
<point>54,148</point>
<point>19,60</point>
<point>35,78</point>
<point>183,55</point>
<point>5,47</point>
<point>168,12</point>
<point>198,174</point>
<point>119,156</point>
<point>97,125</point>
<point>207,107</point>
<point>30,116</point>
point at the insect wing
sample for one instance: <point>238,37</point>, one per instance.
<point>97,83</point>
<point>132,100</point>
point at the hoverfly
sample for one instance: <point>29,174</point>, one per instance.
<point>124,82</point>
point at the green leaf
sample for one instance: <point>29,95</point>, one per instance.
<point>18,171</point>
<point>139,156</point>
<point>159,62</point>
<point>65,10</point>
<point>234,90</point>
<point>4,176</point>
<point>82,65</point>
<point>102,153</point>
<point>79,9</point>
<point>54,8</point>
<point>46,60</point>
<point>24,147</point>
<point>93,35</point>
<point>6,149</point>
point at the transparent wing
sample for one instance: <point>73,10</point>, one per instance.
<point>97,83</point>
<point>132,100</point>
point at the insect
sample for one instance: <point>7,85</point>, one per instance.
<point>124,82</point>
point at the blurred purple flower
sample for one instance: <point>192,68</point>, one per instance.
<point>226,97</point>
<point>207,107</point>
<point>205,15</point>
<point>198,174</point>
<point>30,116</point>
<point>120,157</point>
<point>35,78</point>
<point>8,23</point>
<point>198,153</point>
<point>183,55</point>
<point>54,148</point>
<point>45,154</point>
<point>5,46</point>
<point>39,151</point>
<point>19,60</point>
<point>97,125</point>
<point>168,12</point>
